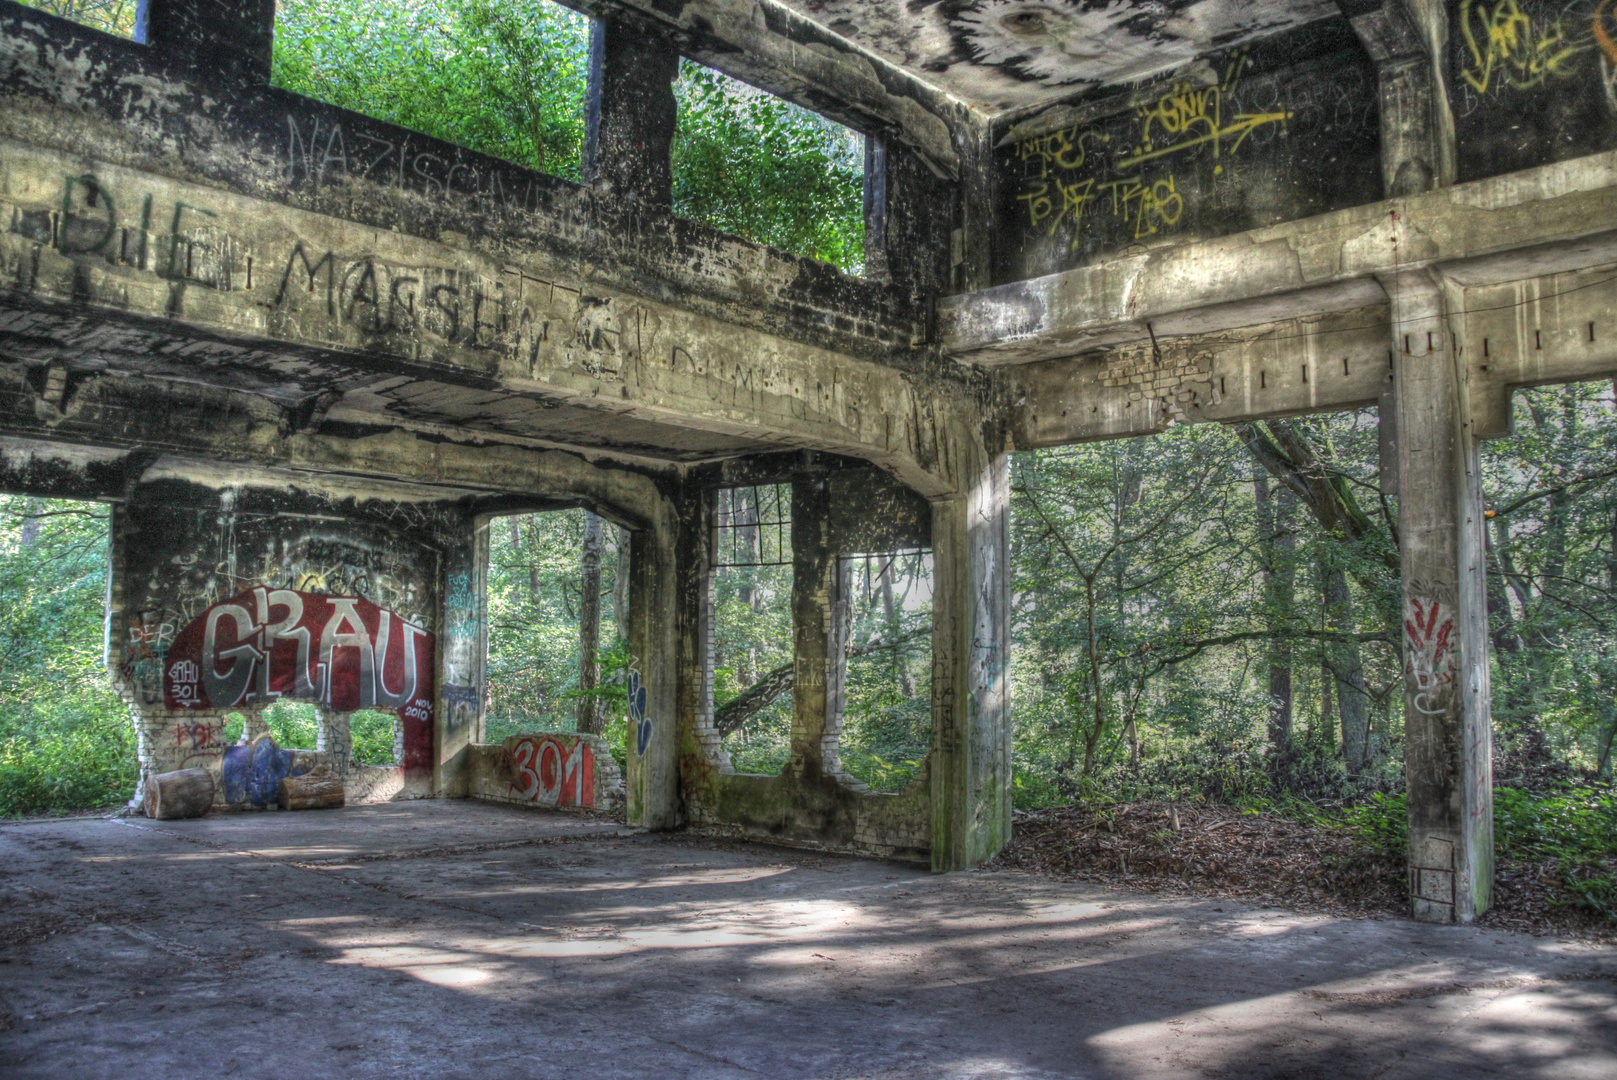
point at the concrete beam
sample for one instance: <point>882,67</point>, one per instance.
<point>133,244</point>
<point>1508,225</point>
<point>771,46</point>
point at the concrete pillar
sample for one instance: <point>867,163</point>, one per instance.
<point>1406,40</point>
<point>813,577</point>
<point>652,779</point>
<point>630,115</point>
<point>971,743</point>
<point>228,41</point>
<point>1447,726</point>
<point>462,655</point>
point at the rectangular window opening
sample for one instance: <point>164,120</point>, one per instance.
<point>547,573</point>
<point>67,739</point>
<point>884,636</point>
<point>752,649</point>
<point>115,17</point>
<point>507,80</point>
<point>761,168</point>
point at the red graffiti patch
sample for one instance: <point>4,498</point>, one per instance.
<point>553,770</point>
<point>340,651</point>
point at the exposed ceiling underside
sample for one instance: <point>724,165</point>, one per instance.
<point>1008,55</point>
<point>312,387</point>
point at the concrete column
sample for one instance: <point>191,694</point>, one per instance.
<point>971,742</point>
<point>652,780</point>
<point>462,652</point>
<point>813,574</point>
<point>1447,726</point>
<point>1406,40</point>
<point>214,40</point>
<point>630,115</point>
<point>921,237</point>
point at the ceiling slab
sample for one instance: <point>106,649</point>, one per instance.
<point>1008,55</point>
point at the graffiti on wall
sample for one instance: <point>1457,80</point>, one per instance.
<point>637,712</point>
<point>1532,81</point>
<point>253,771</point>
<point>343,652</point>
<point>1184,156</point>
<point>1431,655</point>
<point>1521,45</point>
<point>552,770</point>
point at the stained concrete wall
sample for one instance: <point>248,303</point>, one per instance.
<point>557,770</point>
<point>1254,135</point>
<point>229,592</point>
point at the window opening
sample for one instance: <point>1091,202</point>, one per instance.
<point>885,640</point>
<point>1233,589</point>
<point>109,16</point>
<point>504,79</point>
<point>753,526</point>
<point>66,742</point>
<point>766,170</point>
<point>545,573</point>
<point>752,648</point>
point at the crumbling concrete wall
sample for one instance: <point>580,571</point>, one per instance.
<point>229,592</point>
<point>559,770</point>
<point>839,507</point>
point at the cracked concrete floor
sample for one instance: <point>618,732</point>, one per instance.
<point>450,939</point>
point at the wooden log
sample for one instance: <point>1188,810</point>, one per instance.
<point>184,793</point>
<point>310,793</point>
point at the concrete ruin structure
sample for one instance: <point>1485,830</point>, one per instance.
<point>306,355</point>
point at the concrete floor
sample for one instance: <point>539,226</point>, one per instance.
<point>460,939</point>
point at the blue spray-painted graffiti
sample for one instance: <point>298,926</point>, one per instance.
<point>637,712</point>
<point>254,772</point>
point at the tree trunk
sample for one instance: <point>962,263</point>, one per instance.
<point>1277,542</point>
<point>901,668</point>
<point>589,629</point>
<point>620,580</point>
<point>30,523</point>
<point>310,793</point>
<point>1353,700</point>
<point>533,566</point>
<point>185,793</point>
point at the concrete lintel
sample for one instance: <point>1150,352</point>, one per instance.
<point>148,246</point>
<point>767,44</point>
<point>1506,225</point>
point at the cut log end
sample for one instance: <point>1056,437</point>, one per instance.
<point>311,793</point>
<point>184,793</point>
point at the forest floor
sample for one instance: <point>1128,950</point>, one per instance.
<point>1186,849</point>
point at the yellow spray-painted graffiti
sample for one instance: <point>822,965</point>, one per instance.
<point>1508,47</point>
<point>1198,114</point>
<point>1182,118</point>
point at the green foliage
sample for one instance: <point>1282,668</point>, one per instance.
<point>509,79</point>
<point>372,732</point>
<point>66,742</point>
<point>293,724</point>
<point>506,79</point>
<point>766,170</point>
<point>534,590</point>
<point>112,16</point>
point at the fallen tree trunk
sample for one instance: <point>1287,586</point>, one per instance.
<point>184,793</point>
<point>310,793</point>
<point>729,717</point>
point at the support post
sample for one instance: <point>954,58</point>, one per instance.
<point>1447,724</point>
<point>652,778</point>
<point>630,116</point>
<point>971,743</point>
<point>1406,40</point>
<point>813,571</point>
<point>215,41</point>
